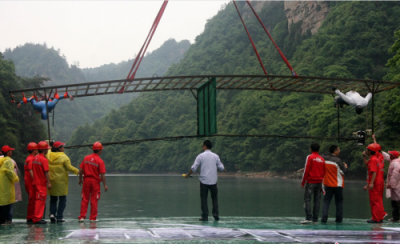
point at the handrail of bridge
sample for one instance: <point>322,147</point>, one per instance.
<point>308,84</point>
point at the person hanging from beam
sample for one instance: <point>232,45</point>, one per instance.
<point>40,104</point>
<point>351,98</point>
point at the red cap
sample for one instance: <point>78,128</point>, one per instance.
<point>43,145</point>
<point>373,147</point>
<point>32,146</point>
<point>58,144</point>
<point>6,148</point>
<point>395,154</point>
<point>97,146</point>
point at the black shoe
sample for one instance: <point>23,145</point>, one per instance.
<point>216,217</point>
<point>52,218</point>
<point>41,222</point>
<point>370,221</point>
<point>334,88</point>
<point>60,220</point>
<point>203,219</point>
<point>29,221</point>
<point>338,221</point>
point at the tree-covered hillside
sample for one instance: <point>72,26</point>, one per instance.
<point>353,42</point>
<point>17,127</point>
<point>38,60</point>
<point>154,63</point>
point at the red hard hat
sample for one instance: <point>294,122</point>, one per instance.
<point>378,146</point>
<point>43,145</point>
<point>6,148</point>
<point>395,154</point>
<point>32,146</point>
<point>373,147</point>
<point>97,146</point>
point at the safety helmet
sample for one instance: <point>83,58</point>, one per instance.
<point>378,147</point>
<point>97,146</point>
<point>43,145</point>
<point>373,147</point>
<point>32,146</point>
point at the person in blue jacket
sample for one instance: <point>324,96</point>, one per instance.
<point>40,105</point>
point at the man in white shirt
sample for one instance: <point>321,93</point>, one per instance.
<point>352,98</point>
<point>209,163</point>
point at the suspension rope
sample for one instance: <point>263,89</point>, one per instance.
<point>174,138</point>
<point>270,37</point>
<point>251,40</point>
<point>142,52</point>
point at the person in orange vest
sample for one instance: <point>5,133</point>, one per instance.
<point>29,187</point>
<point>333,183</point>
<point>41,180</point>
<point>374,183</point>
<point>93,172</point>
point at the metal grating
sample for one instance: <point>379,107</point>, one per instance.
<point>322,85</point>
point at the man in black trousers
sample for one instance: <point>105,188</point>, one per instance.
<point>209,163</point>
<point>334,183</point>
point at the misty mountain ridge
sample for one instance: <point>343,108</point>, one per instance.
<point>38,60</point>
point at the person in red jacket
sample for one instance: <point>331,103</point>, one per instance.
<point>313,176</point>
<point>41,180</point>
<point>375,183</point>
<point>29,187</point>
<point>93,170</point>
<point>381,171</point>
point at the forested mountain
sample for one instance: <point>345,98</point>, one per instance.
<point>17,129</point>
<point>39,60</point>
<point>154,63</point>
<point>352,42</point>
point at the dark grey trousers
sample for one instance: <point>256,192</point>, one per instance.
<point>309,191</point>
<point>396,210</point>
<point>329,193</point>
<point>204,195</point>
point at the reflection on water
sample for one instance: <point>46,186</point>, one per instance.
<point>169,196</point>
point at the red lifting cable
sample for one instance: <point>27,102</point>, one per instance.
<point>142,51</point>
<point>251,40</point>
<point>270,37</point>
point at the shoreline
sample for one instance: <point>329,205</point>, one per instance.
<point>250,174</point>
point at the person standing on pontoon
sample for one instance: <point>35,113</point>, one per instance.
<point>352,98</point>
<point>209,164</point>
<point>314,173</point>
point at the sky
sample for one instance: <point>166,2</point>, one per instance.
<point>94,33</point>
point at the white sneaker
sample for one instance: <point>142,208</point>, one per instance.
<point>306,222</point>
<point>94,220</point>
<point>81,220</point>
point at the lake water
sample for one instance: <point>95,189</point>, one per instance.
<point>132,196</point>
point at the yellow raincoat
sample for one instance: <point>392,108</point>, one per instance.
<point>59,165</point>
<point>7,180</point>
